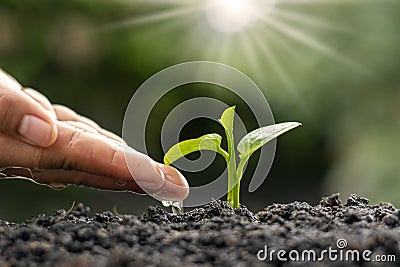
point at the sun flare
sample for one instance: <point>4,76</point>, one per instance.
<point>234,15</point>
<point>260,32</point>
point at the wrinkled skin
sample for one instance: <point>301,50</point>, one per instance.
<point>61,148</point>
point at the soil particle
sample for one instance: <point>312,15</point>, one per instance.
<point>214,234</point>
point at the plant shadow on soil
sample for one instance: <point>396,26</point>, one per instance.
<point>213,235</point>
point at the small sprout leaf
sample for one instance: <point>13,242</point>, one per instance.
<point>246,147</point>
<point>227,118</point>
<point>259,137</point>
<point>206,142</point>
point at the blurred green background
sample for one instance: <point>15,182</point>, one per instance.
<point>333,65</point>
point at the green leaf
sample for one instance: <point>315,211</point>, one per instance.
<point>259,137</point>
<point>227,118</point>
<point>206,142</point>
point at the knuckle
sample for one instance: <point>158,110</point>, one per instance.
<point>74,140</point>
<point>37,158</point>
<point>7,103</point>
<point>114,158</point>
<point>92,155</point>
<point>69,162</point>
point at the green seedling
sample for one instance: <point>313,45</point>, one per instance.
<point>246,147</point>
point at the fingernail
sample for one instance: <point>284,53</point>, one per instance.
<point>156,179</point>
<point>159,180</point>
<point>37,131</point>
<point>144,170</point>
<point>175,187</point>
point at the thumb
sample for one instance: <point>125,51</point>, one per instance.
<point>23,118</point>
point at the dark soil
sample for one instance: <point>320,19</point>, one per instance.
<point>212,235</point>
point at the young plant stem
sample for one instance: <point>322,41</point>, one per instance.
<point>233,185</point>
<point>233,181</point>
<point>242,163</point>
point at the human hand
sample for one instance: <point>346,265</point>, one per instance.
<point>61,148</point>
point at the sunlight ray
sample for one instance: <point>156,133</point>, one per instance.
<point>277,67</point>
<point>311,21</point>
<point>212,50</point>
<point>154,2</point>
<point>160,16</point>
<point>223,52</point>
<point>251,57</point>
<point>323,2</point>
<point>311,42</point>
<point>165,28</point>
<point>285,45</point>
<point>218,49</point>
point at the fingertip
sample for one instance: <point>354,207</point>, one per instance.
<point>176,187</point>
<point>143,170</point>
<point>161,181</point>
<point>174,176</point>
